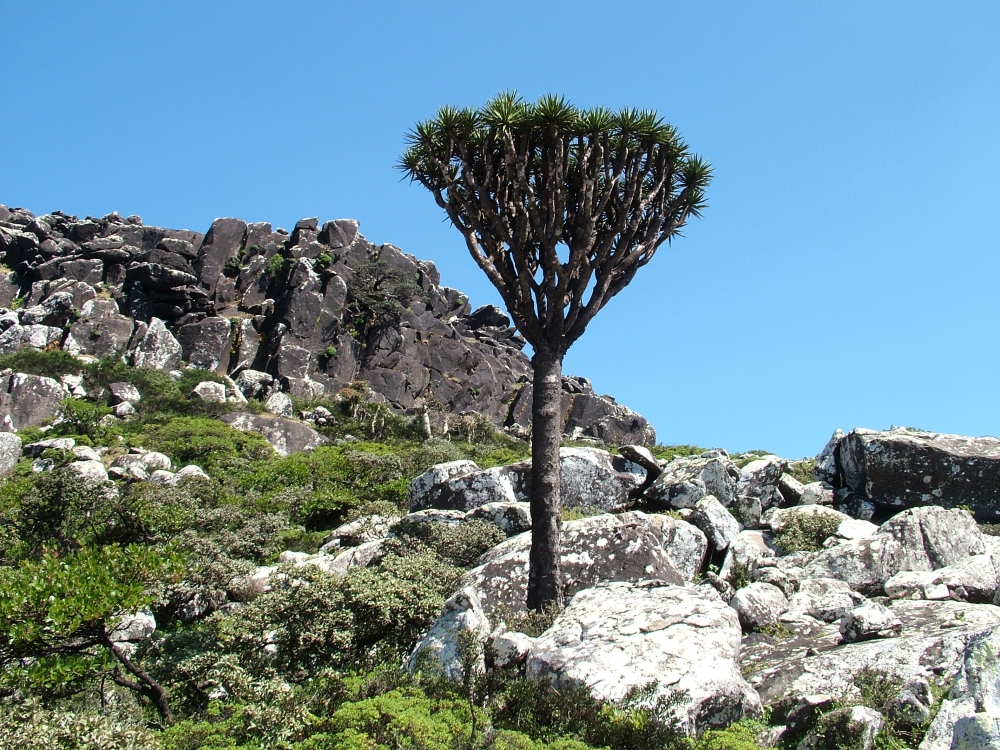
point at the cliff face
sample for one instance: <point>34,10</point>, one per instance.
<point>316,309</point>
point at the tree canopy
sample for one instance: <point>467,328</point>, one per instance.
<point>559,206</point>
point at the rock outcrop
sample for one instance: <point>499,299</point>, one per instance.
<point>590,478</point>
<point>295,306</point>
<point>617,637</point>
<point>902,468</point>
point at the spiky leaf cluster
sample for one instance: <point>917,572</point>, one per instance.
<point>559,206</point>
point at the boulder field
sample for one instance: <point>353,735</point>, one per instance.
<point>730,588</point>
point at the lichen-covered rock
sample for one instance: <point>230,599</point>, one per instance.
<point>815,660</point>
<point>686,480</point>
<point>189,472</point>
<point>904,469</point>
<point>33,450</point>
<point>743,554</point>
<point>920,539</point>
<point>463,625</point>
<point>359,531</point>
<point>279,404</point>
<point>510,518</point>
<point>121,392</point>
<point>134,627</point>
<point>425,490</point>
<point>685,544</point>
<point>826,462</point>
<point>10,452</point>
<point>510,649</point>
<point>340,563</point>
<point>619,636</point>
<point>975,579</point>
<point>90,471</point>
<point>156,348</point>
<point>758,487</point>
<point>29,401</point>
<point>869,620</point>
<point>285,435</point>
<point>719,526</point>
<point>825,599</point>
<point>969,716</point>
<point>816,493</point>
<point>607,547</point>
<point>759,605</point>
<point>210,392</point>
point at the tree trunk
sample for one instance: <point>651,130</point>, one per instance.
<point>146,686</point>
<point>544,569</point>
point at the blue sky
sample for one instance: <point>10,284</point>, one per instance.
<point>845,273</point>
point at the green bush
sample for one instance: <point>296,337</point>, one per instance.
<point>57,511</point>
<point>806,532</point>
<point>276,265</point>
<point>460,544</point>
<point>50,364</point>
<point>803,470</point>
<point>29,726</point>
<point>545,713</point>
<point>740,736</point>
<point>208,443</point>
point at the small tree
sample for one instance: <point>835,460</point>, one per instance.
<point>559,207</point>
<point>58,617</point>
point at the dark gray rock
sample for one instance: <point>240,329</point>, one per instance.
<point>207,343</point>
<point>905,469</point>
<point>30,401</point>
<point>339,234</point>
<point>590,478</point>
<point>223,241</point>
<point>585,414</point>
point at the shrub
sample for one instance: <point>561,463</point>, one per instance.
<point>740,736</point>
<point>28,726</point>
<point>50,364</point>
<point>399,718</point>
<point>394,602</point>
<point>460,544</point>
<point>806,532</point>
<point>57,511</point>
<point>803,470</point>
<point>545,713</point>
<point>82,418</point>
<point>276,265</point>
<point>670,452</point>
<point>208,443</point>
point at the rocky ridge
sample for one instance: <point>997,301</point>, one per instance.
<point>304,313</point>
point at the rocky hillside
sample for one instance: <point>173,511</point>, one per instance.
<point>211,536</point>
<point>305,313</point>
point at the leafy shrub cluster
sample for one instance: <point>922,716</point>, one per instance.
<point>806,532</point>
